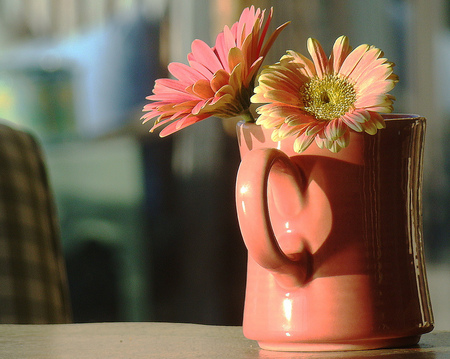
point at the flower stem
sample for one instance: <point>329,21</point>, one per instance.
<point>247,115</point>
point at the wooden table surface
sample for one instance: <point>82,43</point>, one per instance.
<point>167,341</point>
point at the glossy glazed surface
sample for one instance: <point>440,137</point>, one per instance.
<point>335,240</point>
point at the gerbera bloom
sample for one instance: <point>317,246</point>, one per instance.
<point>219,81</point>
<point>324,99</point>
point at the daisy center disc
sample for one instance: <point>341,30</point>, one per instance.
<point>329,97</point>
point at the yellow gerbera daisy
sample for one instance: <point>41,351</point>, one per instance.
<point>324,98</point>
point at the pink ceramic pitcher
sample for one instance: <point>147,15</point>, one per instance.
<point>335,240</point>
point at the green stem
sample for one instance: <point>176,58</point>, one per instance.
<point>247,115</point>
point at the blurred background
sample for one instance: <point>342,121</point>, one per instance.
<point>148,225</point>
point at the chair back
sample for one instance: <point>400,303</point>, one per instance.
<point>33,280</point>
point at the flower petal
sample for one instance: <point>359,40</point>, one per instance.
<point>366,63</point>
<point>183,123</point>
<point>205,55</point>
<point>379,87</point>
<point>235,58</point>
<point>371,99</point>
<point>334,129</point>
<point>353,59</point>
<point>185,74</point>
<point>318,55</point>
<point>352,123</point>
<point>370,127</point>
<point>376,74</point>
<point>341,50</point>
<point>306,65</point>
<point>344,140</point>
<point>307,99</point>
<point>202,89</point>
<point>302,142</point>
<point>219,80</point>
<point>378,120</point>
<point>281,96</point>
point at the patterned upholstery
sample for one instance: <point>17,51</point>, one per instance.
<point>33,282</point>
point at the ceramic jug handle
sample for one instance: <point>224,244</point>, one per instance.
<point>254,219</point>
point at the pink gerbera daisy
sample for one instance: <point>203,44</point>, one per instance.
<point>326,98</point>
<point>219,81</point>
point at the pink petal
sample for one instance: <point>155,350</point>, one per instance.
<point>351,122</point>
<point>207,74</point>
<point>202,88</point>
<point>199,106</point>
<point>184,73</point>
<point>148,116</point>
<point>282,96</point>
<point>164,84</point>
<point>269,122</point>
<point>378,120</point>
<point>175,116</point>
<point>220,79</point>
<point>164,119</point>
<point>185,106</point>
<point>171,97</point>
<point>308,66</point>
<point>223,98</point>
<point>258,96</point>
<point>205,55</point>
<point>334,130</point>
<point>334,146</point>
<point>253,70</point>
<point>236,76</point>
<point>172,92</point>
<point>314,129</point>
<point>370,127</point>
<point>344,140</point>
<point>355,116</point>
<point>379,73</point>
<point>322,142</point>
<point>221,50</point>
<point>229,39</point>
<point>363,113</point>
<point>244,26</point>
<point>283,111</point>
<point>341,50</point>
<point>226,90</point>
<point>381,109</point>
<point>300,118</point>
<point>284,130</point>
<point>274,136</point>
<point>367,61</point>
<point>180,124</point>
<point>318,56</point>
<point>235,57</point>
<point>377,87</point>
<point>385,104</point>
<point>259,45</point>
<point>352,60</point>
<point>249,49</point>
<point>370,100</point>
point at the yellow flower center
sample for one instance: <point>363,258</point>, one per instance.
<point>329,97</point>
